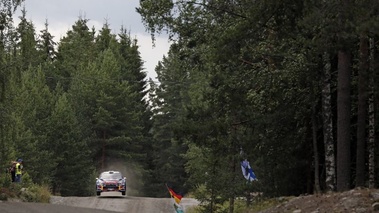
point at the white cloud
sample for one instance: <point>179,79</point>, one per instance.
<point>151,55</point>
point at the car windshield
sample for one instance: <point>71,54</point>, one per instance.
<point>108,175</point>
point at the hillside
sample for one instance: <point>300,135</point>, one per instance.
<point>356,200</point>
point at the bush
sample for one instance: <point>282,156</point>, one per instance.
<point>194,209</point>
<point>3,196</point>
<point>8,189</point>
<point>5,180</point>
<point>36,193</point>
<point>26,190</point>
<point>26,180</point>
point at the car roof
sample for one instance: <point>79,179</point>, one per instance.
<point>111,172</point>
<point>110,175</point>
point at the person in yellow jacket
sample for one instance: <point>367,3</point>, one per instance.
<point>18,169</point>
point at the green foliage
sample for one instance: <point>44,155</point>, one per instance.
<point>3,196</point>
<point>26,180</point>
<point>26,46</point>
<point>36,193</point>
<point>70,113</point>
<point>31,107</point>
<point>238,75</point>
<point>76,49</point>
<point>7,9</point>
<point>11,191</point>
<point>194,209</point>
<point>26,190</point>
<point>5,179</point>
<point>72,154</point>
<point>166,157</point>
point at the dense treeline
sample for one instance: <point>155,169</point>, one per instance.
<point>74,108</point>
<point>294,84</point>
<point>291,85</point>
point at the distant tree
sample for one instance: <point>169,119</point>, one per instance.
<point>46,45</point>
<point>329,147</point>
<point>7,43</point>
<point>252,71</point>
<point>344,99</point>
<point>362,110</point>
<point>132,71</point>
<point>371,114</point>
<point>105,39</point>
<point>7,8</point>
<point>71,152</point>
<point>31,109</point>
<point>107,106</point>
<point>75,50</point>
<point>26,52</point>
<point>167,106</point>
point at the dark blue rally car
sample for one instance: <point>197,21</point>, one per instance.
<point>110,181</point>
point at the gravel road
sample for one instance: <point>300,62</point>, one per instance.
<point>106,203</point>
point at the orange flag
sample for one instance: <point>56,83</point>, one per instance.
<point>177,197</point>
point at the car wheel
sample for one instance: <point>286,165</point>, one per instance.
<point>98,193</point>
<point>123,193</point>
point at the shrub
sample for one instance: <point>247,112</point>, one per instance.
<point>5,180</point>
<point>26,180</point>
<point>194,209</point>
<point>3,196</point>
<point>36,193</point>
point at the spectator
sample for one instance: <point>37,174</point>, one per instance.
<point>18,169</point>
<point>12,170</point>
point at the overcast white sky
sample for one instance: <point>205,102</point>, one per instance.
<point>62,14</point>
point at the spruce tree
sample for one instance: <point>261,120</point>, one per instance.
<point>71,152</point>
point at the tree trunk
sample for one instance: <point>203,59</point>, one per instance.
<point>371,115</point>
<point>330,164</point>
<point>317,189</point>
<point>231,205</point>
<point>343,120</point>
<point>362,111</point>
<point>233,168</point>
<point>371,142</point>
<point>103,153</point>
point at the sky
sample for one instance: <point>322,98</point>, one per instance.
<point>62,14</point>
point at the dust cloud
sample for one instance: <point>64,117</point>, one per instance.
<point>131,171</point>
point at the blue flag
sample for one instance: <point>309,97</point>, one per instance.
<point>178,208</point>
<point>247,171</point>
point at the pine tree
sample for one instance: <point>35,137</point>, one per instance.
<point>75,50</point>
<point>46,45</point>
<point>26,51</point>
<point>7,9</point>
<point>71,152</point>
<point>31,108</point>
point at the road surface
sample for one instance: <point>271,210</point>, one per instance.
<point>106,203</point>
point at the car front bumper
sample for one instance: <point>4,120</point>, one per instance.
<point>121,188</point>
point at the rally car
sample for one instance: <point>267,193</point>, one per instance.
<point>111,181</point>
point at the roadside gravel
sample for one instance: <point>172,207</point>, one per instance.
<point>107,203</point>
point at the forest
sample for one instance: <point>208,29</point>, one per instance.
<point>291,86</point>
